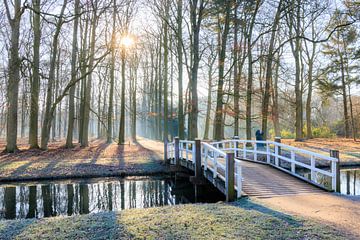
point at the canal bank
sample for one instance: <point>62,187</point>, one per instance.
<point>245,219</point>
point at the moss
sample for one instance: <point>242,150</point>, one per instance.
<point>242,220</point>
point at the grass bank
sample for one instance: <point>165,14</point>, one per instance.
<point>242,220</point>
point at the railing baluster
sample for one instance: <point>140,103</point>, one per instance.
<point>244,150</point>
<point>268,156</point>
<point>239,179</point>
<point>215,164</point>
<point>292,161</point>
<point>206,158</point>
<point>336,170</point>
<point>312,162</point>
<point>255,151</point>
<point>276,155</point>
<point>187,151</point>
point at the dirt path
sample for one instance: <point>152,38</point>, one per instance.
<point>99,159</point>
<point>329,208</point>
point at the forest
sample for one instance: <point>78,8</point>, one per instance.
<point>76,70</point>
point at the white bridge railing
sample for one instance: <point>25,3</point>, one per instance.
<point>315,168</point>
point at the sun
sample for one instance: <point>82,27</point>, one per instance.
<point>127,41</point>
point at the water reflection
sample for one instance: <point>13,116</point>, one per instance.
<point>91,196</point>
<point>350,181</point>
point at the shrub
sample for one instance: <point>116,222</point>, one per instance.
<point>323,132</point>
<point>286,134</point>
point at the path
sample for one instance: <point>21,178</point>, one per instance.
<point>329,208</point>
<point>287,194</point>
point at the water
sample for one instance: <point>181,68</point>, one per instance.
<point>350,181</point>
<point>66,198</point>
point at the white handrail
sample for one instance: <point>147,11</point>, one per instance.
<point>274,154</point>
<point>215,151</point>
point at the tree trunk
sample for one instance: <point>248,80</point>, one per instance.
<point>220,92</point>
<point>196,16</point>
<point>112,77</point>
<point>122,108</point>
<point>35,83</point>
<point>208,108</point>
<point>275,107</point>
<point>14,76</point>
<point>181,117</point>
<point>45,131</point>
<point>166,72</point>
<point>269,66</point>
<point>71,115</point>
<point>87,91</point>
<point>249,87</point>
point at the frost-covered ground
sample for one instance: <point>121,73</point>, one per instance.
<point>241,220</point>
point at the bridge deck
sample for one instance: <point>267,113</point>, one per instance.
<point>263,181</point>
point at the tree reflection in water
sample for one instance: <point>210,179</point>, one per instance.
<point>91,196</point>
<point>350,181</point>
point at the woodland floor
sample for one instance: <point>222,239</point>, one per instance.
<point>145,157</point>
<point>244,219</point>
<point>349,150</point>
<point>99,159</point>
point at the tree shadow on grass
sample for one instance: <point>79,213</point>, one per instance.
<point>247,204</point>
<point>9,230</point>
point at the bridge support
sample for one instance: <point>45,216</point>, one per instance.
<point>277,151</point>
<point>198,168</point>
<point>177,151</point>
<point>236,146</point>
<point>167,160</point>
<point>198,178</point>
<point>230,177</point>
<point>336,154</point>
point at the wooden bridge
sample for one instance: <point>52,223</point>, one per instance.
<point>256,168</point>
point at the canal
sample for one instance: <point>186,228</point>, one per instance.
<point>73,197</point>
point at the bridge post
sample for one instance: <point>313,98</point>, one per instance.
<point>198,169</point>
<point>177,151</point>
<point>230,177</point>
<point>167,161</point>
<point>336,165</point>
<point>278,152</point>
<point>236,145</point>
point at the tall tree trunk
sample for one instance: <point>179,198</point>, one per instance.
<point>236,68</point>
<point>208,108</point>
<point>112,77</point>
<point>275,107</point>
<point>13,75</point>
<point>181,117</point>
<point>35,83</point>
<point>344,95</point>
<point>160,91</point>
<point>166,72</point>
<point>71,115</point>
<point>269,66</point>
<point>298,89</point>
<point>45,131</point>
<point>309,99</point>
<point>220,92</point>
<point>122,107</point>
<point>196,17</point>
<point>249,88</point>
<point>87,91</point>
